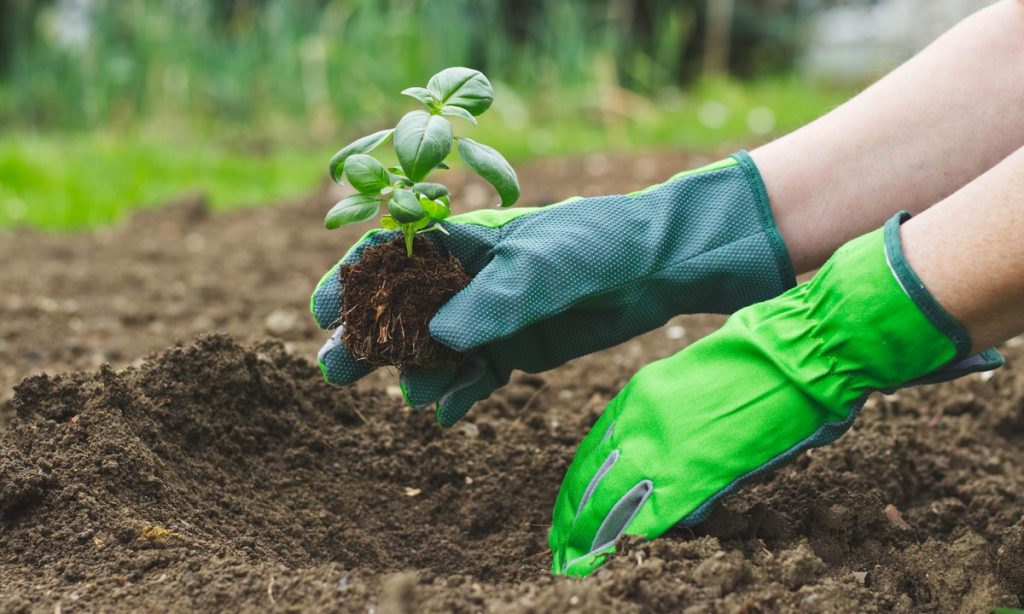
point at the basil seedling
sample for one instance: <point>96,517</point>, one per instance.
<point>423,140</point>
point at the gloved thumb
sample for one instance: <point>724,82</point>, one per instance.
<point>488,309</point>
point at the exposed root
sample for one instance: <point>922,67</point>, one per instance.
<point>389,299</point>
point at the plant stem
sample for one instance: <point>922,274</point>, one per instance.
<point>409,234</point>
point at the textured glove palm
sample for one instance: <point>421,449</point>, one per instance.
<point>554,283</point>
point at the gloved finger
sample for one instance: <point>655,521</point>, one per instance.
<point>614,497</point>
<point>576,332</point>
<point>493,306</point>
<point>325,303</point>
<point>478,378</point>
<point>586,471</point>
<point>337,364</point>
<point>422,387</point>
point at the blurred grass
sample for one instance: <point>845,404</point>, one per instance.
<point>710,114</point>
<point>65,181</point>
<point>68,181</point>
<point>91,64</point>
<point>113,105</point>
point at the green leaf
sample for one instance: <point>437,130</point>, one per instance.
<point>398,176</point>
<point>436,209</point>
<point>388,223</point>
<point>430,190</point>
<point>360,146</point>
<point>366,174</point>
<point>422,141</point>
<point>493,167</point>
<point>422,94</point>
<point>405,207</point>
<point>455,111</point>
<point>433,198</point>
<point>352,210</point>
<point>442,166</point>
<point>462,87</point>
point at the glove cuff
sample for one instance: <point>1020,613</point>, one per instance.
<point>916,290</point>
<point>763,210</point>
<point>961,364</point>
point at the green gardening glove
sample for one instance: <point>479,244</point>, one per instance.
<point>779,377</point>
<point>554,283</point>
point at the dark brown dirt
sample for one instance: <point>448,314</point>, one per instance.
<point>214,476</point>
<point>388,299</point>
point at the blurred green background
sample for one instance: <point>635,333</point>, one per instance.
<point>109,105</point>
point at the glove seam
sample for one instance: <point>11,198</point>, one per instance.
<point>769,226</point>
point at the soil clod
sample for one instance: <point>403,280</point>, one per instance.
<point>388,300</point>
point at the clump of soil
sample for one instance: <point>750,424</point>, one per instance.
<point>216,477</point>
<point>211,461</point>
<point>388,300</point>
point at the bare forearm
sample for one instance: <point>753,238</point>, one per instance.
<point>907,142</point>
<point>968,251</point>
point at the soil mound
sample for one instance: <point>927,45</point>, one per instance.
<point>220,477</point>
<point>246,457</point>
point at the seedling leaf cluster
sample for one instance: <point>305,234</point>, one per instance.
<point>423,139</point>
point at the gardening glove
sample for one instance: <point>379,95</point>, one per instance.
<point>557,282</point>
<point>778,378</point>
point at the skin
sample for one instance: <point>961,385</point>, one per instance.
<point>968,251</point>
<point>907,142</point>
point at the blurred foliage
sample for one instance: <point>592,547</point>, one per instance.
<point>89,179</point>
<point>86,179</point>
<point>110,105</point>
<point>83,63</point>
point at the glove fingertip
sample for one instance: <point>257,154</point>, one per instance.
<point>421,387</point>
<point>556,559</point>
<point>477,379</point>
<point>448,326</point>
<point>325,302</point>
<point>449,412</point>
<point>488,309</point>
<point>405,393</point>
<point>337,364</point>
<point>586,564</point>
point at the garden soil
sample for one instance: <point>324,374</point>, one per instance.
<point>167,443</point>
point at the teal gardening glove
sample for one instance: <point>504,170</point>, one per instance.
<point>778,378</point>
<point>557,282</point>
